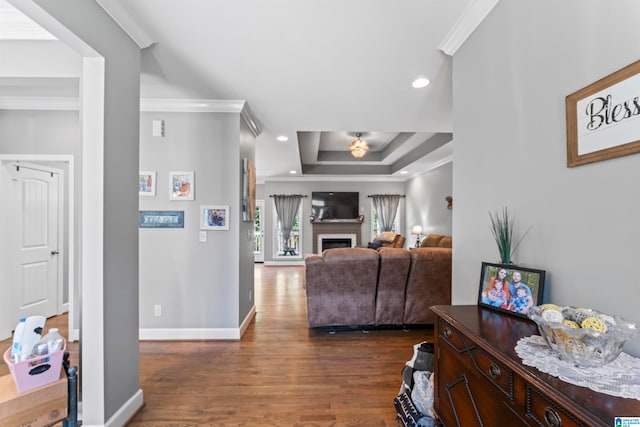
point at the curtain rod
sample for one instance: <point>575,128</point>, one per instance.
<point>299,195</point>
<point>376,195</point>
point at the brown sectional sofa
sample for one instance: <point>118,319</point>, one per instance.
<point>368,287</point>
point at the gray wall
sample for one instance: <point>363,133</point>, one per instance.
<point>120,361</point>
<point>200,285</point>
<point>37,132</point>
<point>426,204</point>
<point>510,80</point>
<point>245,297</point>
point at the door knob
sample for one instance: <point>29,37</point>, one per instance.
<point>55,252</point>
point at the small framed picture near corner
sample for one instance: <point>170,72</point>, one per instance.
<point>510,288</point>
<point>181,186</point>
<point>603,119</point>
<point>214,217</point>
<point>146,183</point>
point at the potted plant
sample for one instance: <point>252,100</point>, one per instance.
<point>502,229</point>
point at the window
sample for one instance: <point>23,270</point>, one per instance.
<point>293,240</point>
<point>375,227</point>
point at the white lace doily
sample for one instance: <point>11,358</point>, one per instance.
<point>620,377</point>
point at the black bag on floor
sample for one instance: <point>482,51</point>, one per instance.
<point>407,413</point>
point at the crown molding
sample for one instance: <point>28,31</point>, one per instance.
<point>470,19</point>
<point>250,120</point>
<point>120,15</point>
<point>146,105</point>
<point>39,103</point>
<point>191,105</point>
<point>203,106</point>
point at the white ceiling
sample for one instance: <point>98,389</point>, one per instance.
<point>316,71</point>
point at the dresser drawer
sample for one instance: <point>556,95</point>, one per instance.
<point>547,413</point>
<point>482,362</point>
<point>495,372</point>
<point>452,336</point>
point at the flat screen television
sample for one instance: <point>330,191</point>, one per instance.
<point>332,205</point>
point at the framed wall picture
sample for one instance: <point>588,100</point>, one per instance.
<point>146,183</point>
<point>603,119</point>
<point>181,186</point>
<point>214,217</point>
<point>248,190</point>
<point>510,288</point>
<point>161,219</point>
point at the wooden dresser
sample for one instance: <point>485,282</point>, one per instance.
<point>481,381</point>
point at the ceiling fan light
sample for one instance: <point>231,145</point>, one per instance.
<point>358,148</point>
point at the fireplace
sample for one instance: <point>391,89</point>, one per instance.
<point>336,230</point>
<point>328,241</point>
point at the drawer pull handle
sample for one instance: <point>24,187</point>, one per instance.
<point>494,371</point>
<point>447,332</point>
<point>552,418</point>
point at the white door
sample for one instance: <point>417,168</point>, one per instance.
<point>36,241</point>
<point>258,233</point>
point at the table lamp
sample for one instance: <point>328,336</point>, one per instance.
<point>417,230</point>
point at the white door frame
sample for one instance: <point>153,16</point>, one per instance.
<point>70,232</point>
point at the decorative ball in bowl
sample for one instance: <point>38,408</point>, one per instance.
<point>584,337</point>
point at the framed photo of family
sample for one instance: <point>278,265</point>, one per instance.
<point>214,217</point>
<point>510,288</point>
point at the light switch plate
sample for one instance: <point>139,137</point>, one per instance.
<point>203,236</point>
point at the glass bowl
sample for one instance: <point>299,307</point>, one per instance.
<point>584,347</point>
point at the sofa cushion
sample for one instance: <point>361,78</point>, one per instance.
<point>387,236</point>
<point>431,241</point>
<point>392,280</point>
<point>445,242</point>
<point>341,287</point>
<point>428,283</point>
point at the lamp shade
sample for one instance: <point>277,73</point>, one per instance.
<point>417,230</point>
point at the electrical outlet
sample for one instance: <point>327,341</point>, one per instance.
<point>250,295</point>
<point>157,310</point>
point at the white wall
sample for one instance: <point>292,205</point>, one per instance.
<point>426,204</point>
<point>38,59</point>
<point>510,80</point>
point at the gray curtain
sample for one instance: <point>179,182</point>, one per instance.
<point>386,206</point>
<point>287,209</point>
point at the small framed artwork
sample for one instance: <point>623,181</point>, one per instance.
<point>248,190</point>
<point>181,186</point>
<point>510,288</point>
<point>146,183</point>
<point>214,217</point>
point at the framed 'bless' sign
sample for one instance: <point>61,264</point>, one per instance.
<point>603,119</point>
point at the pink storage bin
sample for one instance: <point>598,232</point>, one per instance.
<point>37,371</point>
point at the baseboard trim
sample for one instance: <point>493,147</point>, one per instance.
<point>122,415</point>
<point>247,320</point>
<point>185,334</point>
<point>283,263</point>
<point>127,411</point>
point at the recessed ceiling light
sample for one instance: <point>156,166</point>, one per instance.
<point>403,172</point>
<point>420,82</point>
<point>282,138</point>
<point>293,172</point>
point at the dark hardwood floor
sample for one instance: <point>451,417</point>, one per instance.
<point>280,373</point>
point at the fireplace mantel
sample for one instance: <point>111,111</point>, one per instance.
<point>336,228</point>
